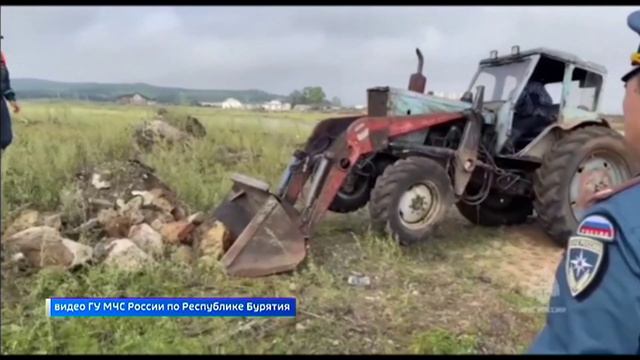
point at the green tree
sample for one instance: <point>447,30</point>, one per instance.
<point>314,94</point>
<point>335,101</point>
<point>296,98</point>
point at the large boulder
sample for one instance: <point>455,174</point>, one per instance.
<point>158,131</point>
<point>147,239</point>
<point>211,240</point>
<point>168,127</point>
<point>177,232</point>
<point>194,127</point>
<point>43,246</point>
<point>82,254</point>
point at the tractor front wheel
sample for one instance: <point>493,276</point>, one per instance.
<point>353,195</point>
<point>585,161</point>
<point>410,198</point>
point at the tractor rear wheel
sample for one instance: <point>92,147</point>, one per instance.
<point>585,161</point>
<point>497,210</point>
<point>410,198</point>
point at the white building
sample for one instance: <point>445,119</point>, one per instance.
<point>253,106</point>
<point>210,104</point>
<point>135,99</point>
<point>286,106</point>
<point>276,105</point>
<point>302,107</point>
<point>231,103</point>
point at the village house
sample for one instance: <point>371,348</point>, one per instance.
<point>276,105</point>
<point>210,104</point>
<point>135,99</point>
<point>232,103</point>
<point>253,107</point>
<point>302,107</point>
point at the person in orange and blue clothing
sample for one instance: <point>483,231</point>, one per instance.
<point>598,281</point>
<point>6,133</point>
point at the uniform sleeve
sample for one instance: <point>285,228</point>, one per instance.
<point>7,91</point>
<point>604,320</point>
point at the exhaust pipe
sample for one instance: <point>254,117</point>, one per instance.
<point>417,81</point>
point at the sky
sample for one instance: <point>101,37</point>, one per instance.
<point>278,49</point>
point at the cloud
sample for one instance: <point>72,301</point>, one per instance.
<point>344,49</point>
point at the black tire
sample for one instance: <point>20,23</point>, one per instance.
<point>346,202</point>
<point>497,210</point>
<point>394,182</point>
<point>552,180</point>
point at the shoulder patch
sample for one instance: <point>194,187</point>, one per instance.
<point>597,227</point>
<point>583,260</point>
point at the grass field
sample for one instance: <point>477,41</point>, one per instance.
<point>436,297</point>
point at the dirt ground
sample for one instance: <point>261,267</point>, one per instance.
<point>522,257</point>
<point>529,260</point>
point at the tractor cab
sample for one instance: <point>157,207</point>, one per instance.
<point>532,90</point>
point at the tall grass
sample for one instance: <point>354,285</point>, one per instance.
<point>416,303</point>
<point>53,140</point>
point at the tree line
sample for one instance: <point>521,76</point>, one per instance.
<point>312,95</point>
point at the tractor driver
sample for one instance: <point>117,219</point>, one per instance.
<point>597,306</point>
<point>533,112</point>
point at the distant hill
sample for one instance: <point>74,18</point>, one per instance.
<point>45,89</point>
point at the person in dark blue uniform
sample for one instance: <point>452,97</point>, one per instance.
<point>7,94</point>
<point>596,309</point>
<point>6,133</point>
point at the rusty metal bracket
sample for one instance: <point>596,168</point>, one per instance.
<point>466,156</point>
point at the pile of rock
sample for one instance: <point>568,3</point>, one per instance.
<point>167,128</point>
<point>130,219</point>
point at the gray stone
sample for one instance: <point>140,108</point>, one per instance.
<point>147,239</point>
<point>125,255</point>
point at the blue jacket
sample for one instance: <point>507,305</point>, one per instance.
<point>5,81</point>
<point>6,133</point>
<point>602,268</point>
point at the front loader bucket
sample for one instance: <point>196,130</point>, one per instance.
<point>265,232</point>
